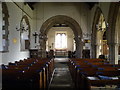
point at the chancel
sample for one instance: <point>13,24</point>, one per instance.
<point>59,45</point>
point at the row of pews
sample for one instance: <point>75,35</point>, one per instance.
<point>94,73</point>
<point>29,74</point>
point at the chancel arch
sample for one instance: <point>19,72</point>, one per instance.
<point>62,19</point>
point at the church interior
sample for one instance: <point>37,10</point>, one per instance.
<point>60,45</point>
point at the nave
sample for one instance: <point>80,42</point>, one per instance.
<point>61,76</point>
<point>35,36</point>
<point>61,73</point>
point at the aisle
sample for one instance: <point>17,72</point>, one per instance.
<point>61,78</point>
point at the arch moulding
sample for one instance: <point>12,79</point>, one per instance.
<point>62,19</point>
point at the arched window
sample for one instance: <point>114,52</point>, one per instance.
<point>25,33</point>
<point>5,31</point>
<point>60,41</point>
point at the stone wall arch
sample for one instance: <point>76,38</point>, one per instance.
<point>66,20</point>
<point>111,32</point>
<point>94,31</point>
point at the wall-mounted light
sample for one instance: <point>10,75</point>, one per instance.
<point>22,29</point>
<point>41,36</point>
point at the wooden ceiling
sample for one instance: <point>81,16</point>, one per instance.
<point>91,4</point>
<point>31,4</point>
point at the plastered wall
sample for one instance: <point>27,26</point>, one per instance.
<point>42,12</point>
<point>77,11</point>
<point>67,30</point>
<point>15,16</point>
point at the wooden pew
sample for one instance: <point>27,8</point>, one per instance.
<point>34,76</point>
<point>80,71</point>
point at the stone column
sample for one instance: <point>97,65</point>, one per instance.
<point>93,50</point>
<point>79,48</point>
<point>113,53</point>
<point>41,48</point>
<point>44,48</point>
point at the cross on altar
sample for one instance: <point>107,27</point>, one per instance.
<point>35,34</point>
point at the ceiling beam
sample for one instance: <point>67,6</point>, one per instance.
<point>30,4</point>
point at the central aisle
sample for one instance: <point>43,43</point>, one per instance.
<point>61,78</point>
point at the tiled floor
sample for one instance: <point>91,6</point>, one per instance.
<point>61,78</point>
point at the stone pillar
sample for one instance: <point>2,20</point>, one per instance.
<point>44,48</point>
<point>42,41</point>
<point>97,50</point>
<point>40,49</point>
<point>79,48</point>
<point>113,53</point>
<point>93,50</point>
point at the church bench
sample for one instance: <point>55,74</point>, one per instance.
<point>25,61</point>
<point>22,67</point>
<point>92,69</point>
<point>35,76</point>
<point>96,73</point>
<point>104,82</point>
<point>94,60</point>
<point>30,76</point>
<point>87,60</point>
<point>96,81</point>
<point>10,78</point>
<point>37,72</point>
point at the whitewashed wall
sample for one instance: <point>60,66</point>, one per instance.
<point>15,15</point>
<point>77,11</point>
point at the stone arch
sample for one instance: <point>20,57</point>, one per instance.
<point>25,42</point>
<point>111,32</point>
<point>112,17</point>
<point>94,31</point>
<point>61,19</point>
<point>94,43</point>
<point>27,22</point>
<point>71,23</point>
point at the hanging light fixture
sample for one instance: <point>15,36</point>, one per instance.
<point>22,28</point>
<point>23,25</point>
